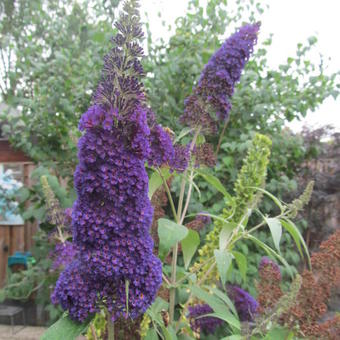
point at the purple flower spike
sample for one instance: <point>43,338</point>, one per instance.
<point>112,215</point>
<point>217,82</point>
<point>244,303</point>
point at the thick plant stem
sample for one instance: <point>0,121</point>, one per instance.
<point>172,294</point>
<point>167,189</point>
<point>110,328</point>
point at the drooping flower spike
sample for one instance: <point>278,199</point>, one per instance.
<point>210,100</point>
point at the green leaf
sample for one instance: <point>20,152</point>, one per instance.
<point>225,298</point>
<point>155,311</point>
<point>159,305</point>
<point>183,133</point>
<point>200,139</point>
<point>39,213</point>
<point>215,182</point>
<point>276,231</point>
<point>221,311</point>
<point>275,199</point>
<point>223,262</point>
<point>234,337</point>
<point>225,233</point>
<point>172,333</point>
<point>216,304</point>
<point>169,234</point>
<point>278,333</point>
<point>156,181</point>
<point>227,317</point>
<point>65,329</point>
<point>23,194</point>
<point>29,213</point>
<point>189,246</point>
<point>151,335</point>
<point>271,252</point>
<point>298,238</point>
<point>241,261</point>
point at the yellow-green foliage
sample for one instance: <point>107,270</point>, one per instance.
<point>252,174</point>
<point>98,326</point>
<point>145,325</point>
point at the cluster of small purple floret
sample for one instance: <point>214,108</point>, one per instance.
<point>63,254</point>
<point>112,215</point>
<point>218,79</point>
<point>244,303</point>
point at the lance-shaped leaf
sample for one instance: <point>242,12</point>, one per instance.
<point>169,234</point>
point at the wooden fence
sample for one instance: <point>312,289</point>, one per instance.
<point>15,237</point>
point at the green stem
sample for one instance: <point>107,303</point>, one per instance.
<point>175,248</point>
<point>221,137</point>
<point>188,197</point>
<point>167,189</point>
<point>110,328</point>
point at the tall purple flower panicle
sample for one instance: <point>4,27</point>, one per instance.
<point>244,303</point>
<point>112,215</point>
<point>199,323</point>
<point>216,84</point>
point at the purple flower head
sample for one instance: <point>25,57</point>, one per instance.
<point>244,303</point>
<point>217,81</point>
<point>112,215</point>
<point>268,264</point>
<point>181,158</point>
<point>63,254</point>
<point>208,324</point>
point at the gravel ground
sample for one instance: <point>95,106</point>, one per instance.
<point>27,333</point>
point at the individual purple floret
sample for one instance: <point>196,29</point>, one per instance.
<point>217,81</point>
<point>63,254</point>
<point>244,303</point>
<point>208,324</point>
<point>112,215</point>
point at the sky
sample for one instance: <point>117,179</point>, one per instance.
<point>291,22</point>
